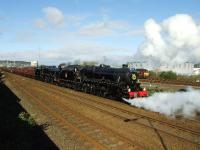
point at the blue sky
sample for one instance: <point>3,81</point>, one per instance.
<point>89,28</point>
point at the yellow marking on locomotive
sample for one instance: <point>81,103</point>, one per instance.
<point>133,76</point>
<point>146,74</point>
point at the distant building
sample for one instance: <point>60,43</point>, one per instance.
<point>197,65</point>
<point>182,69</point>
<point>186,68</point>
<point>34,63</point>
<point>8,63</point>
<point>196,70</point>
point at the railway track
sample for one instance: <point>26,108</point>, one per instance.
<point>169,82</point>
<point>134,120</point>
<point>97,101</point>
<point>97,105</point>
<point>98,136</point>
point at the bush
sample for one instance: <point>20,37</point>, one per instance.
<point>168,75</point>
<point>27,118</point>
<point>152,74</point>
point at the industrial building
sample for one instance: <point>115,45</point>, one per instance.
<point>182,69</point>
<point>196,70</point>
<point>9,63</point>
<point>187,68</point>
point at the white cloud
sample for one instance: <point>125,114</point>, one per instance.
<point>40,23</point>
<point>96,29</point>
<point>104,28</point>
<point>2,18</point>
<point>71,52</point>
<point>1,31</point>
<point>54,15</point>
<point>175,40</point>
<point>24,37</point>
<point>135,32</point>
<point>74,19</point>
<point>84,51</point>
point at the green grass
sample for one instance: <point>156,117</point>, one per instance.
<point>27,118</point>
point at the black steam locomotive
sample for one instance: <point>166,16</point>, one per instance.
<point>100,80</point>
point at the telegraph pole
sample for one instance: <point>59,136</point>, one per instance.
<point>38,56</point>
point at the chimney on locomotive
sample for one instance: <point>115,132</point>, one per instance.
<point>61,66</point>
<point>124,66</point>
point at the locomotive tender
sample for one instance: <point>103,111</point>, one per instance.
<point>100,80</point>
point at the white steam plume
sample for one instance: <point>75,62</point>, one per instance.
<point>171,104</point>
<point>174,40</point>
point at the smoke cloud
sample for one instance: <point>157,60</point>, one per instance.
<point>171,104</point>
<point>174,40</point>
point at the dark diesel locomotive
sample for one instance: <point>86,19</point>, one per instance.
<point>100,80</point>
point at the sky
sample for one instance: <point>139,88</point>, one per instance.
<point>102,30</point>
